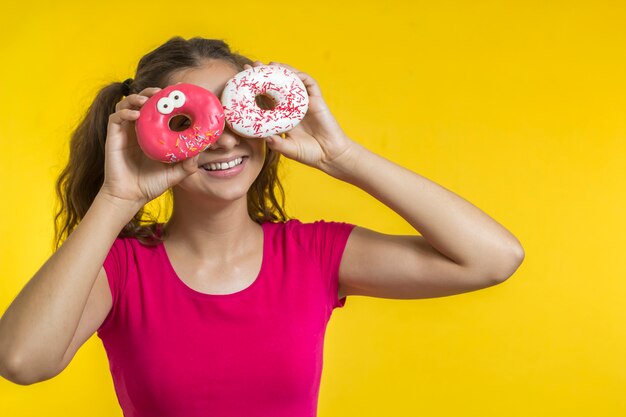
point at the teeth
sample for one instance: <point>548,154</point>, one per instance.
<point>223,165</point>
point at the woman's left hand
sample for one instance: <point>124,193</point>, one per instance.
<point>318,140</point>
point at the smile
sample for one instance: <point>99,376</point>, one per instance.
<point>222,166</point>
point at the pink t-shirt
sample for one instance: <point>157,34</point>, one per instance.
<point>174,351</point>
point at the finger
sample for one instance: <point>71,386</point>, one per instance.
<point>186,167</point>
<point>181,169</point>
<point>135,98</point>
<point>311,85</point>
<point>191,163</point>
<point>125,114</point>
<point>285,65</point>
<point>281,144</point>
<point>131,101</point>
<point>257,63</point>
<point>150,91</point>
<point>116,119</point>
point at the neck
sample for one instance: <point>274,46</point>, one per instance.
<point>211,230</point>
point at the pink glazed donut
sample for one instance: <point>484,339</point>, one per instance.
<point>154,134</point>
<point>285,89</point>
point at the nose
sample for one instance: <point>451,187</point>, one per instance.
<point>227,140</point>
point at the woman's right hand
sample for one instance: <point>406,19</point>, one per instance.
<point>128,173</point>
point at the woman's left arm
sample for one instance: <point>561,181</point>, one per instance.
<point>461,248</point>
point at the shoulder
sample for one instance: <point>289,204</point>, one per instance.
<point>131,246</point>
<point>296,227</point>
<point>313,233</point>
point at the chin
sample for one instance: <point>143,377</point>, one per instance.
<point>230,195</point>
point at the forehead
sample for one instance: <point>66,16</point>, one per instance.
<point>212,75</point>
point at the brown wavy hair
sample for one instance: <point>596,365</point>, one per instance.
<point>83,176</point>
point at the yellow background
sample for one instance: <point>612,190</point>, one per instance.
<point>519,107</point>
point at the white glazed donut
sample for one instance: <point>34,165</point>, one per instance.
<point>283,86</point>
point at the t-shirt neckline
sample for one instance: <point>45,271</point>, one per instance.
<point>200,294</point>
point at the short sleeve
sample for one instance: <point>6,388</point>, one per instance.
<point>327,240</point>
<point>114,266</point>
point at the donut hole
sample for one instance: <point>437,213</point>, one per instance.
<point>179,123</point>
<point>265,102</point>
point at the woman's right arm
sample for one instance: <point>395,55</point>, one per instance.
<point>39,325</point>
<point>60,307</point>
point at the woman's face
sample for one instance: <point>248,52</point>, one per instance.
<point>213,77</point>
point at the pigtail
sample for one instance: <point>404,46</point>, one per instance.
<point>83,176</point>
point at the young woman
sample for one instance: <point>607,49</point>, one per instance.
<point>222,310</point>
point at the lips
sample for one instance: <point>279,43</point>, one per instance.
<point>228,172</point>
<point>222,160</point>
<point>216,166</point>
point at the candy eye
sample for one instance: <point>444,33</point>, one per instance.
<point>178,98</point>
<point>165,105</point>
